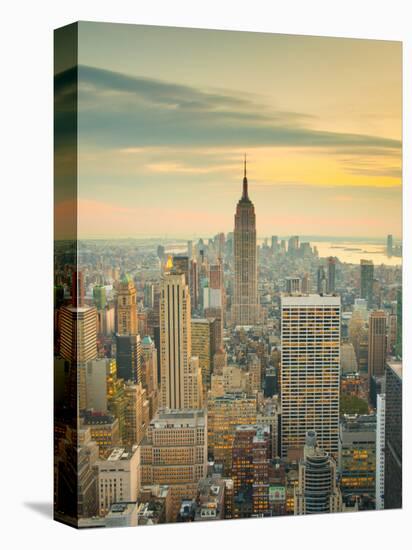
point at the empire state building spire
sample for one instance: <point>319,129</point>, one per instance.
<point>245,303</point>
<point>245,190</point>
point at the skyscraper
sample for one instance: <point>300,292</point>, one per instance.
<point>128,347</point>
<point>245,308</point>
<point>305,284</point>
<point>225,413</point>
<point>217,289</point>
<point>214,301</point>
<point>250,470</point>
<point>202,347</point>
<point>150,373</point>
<point>99,296</point>
<point>293,245</point>
<point>310,369</point>
<point>97,373</point>
<point>174,453</point>
<point>118,479</point>
<point>194,284</point>
<point>134,425</point>
<point>392,333</point>
<point>180,382</point>
<point>181,265</point>
<point>366,283</point>
<point>331,274</point>
<point>398,347</point>
<point>148,294</point>
<point>321,280</point>
<point>87,457</point>
<point>77,288</point>
<point>126,307</point>
<point>380,452</point>
<point>389,245</point>
<point>393,435</point>
<point>293,285</point>
<point>78,333</point>
<point>357,465</point>
<point>190,249</point>
<point>317,491</point>
<point>128,357</point>
<point>377,343</point>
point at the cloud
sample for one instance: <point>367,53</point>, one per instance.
<point>377,172</point>
<point>118,110</point>
<point>372,165</point>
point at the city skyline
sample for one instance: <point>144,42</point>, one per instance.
<point>183,117</point>
<point>231,376</point>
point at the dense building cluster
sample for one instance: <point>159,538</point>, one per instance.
<point>224,378</point>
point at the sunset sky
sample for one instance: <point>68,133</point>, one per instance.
<point>166,114</point>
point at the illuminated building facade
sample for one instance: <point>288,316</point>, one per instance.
<point>134,421</point>
<point>250,470</point>
<point>357,465</point>
<point>225,414</point>
<point>310,371</point>
<point>174,453</point>
<point>78,333</point>
<point>203,347</point>
<point>104,429</point>
<point>126,307</point>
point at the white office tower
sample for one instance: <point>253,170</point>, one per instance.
<point>117,477</point>
<point>380,451</point>
<point>310,372</point>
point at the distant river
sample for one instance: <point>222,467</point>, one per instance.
<point>347,252</point>
<point>353,253</point>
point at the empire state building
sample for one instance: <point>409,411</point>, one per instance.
<point>245,308</point>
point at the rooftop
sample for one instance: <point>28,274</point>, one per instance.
<point>396,366</point>
<point>178,418</point>
<point>311,300</point>
<point>121,508</point>
<point>115,454</point>
<point>78,309</point>
<point>97,419</point>
<point>150,512</point>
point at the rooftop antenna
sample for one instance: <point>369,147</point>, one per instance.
<point>245,190</point>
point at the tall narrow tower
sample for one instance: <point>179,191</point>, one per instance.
<point>245,309</point>
<point>128,347</point>
<point>181,378</point>
<point>126,307</point>
<point>366,281</point>
<point>377,343</point>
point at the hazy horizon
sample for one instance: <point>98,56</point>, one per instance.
<point>303,238</point>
